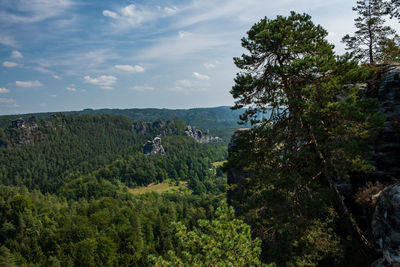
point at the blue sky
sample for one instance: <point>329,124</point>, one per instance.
<point>59,55</point>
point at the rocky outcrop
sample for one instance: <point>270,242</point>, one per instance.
<point>21,124</point>
<point>153,147</point>
<point>159,127</point>
<point>386,226</point>
<point>387,147</point>
<point>25,132</point>
<point>201,137</point>
<point>140,127</point>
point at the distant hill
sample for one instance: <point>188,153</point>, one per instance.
<point>221,121</point>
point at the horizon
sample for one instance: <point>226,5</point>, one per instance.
<point>122,109</point>
<point>70,55</point>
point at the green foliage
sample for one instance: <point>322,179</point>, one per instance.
<point>318,129</point>
<point>221,121</point>
<point>224,241</point>
<point>77,148</point>
<point>88,217</point>
<point>371,40</point>
<point>121,230</point>
<point>390,50</point>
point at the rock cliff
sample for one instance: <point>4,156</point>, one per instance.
<point>24,132</point>
<point>153,147</point>
<point>387,146</point>
<point>386,226</point>
<point>199,136</point>
<point>160,127</point>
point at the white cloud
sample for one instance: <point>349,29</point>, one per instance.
<point>8,41</point>
<point>133,15</point>
<point>171,10</point>
<point>183,34</point>
<point>212,65</point>
<point>201,76</point>
<point>29,11</point>
<point>42,70</point>
<point>9,64</point>
<point>142,88</point>
<point>53,95</point>
<point>108,13</point>
<point>46,71</point>
<point>4,91</point>
<point>104,81</point>
<point>185,83</point>
<point>130,68</point>
<point>16,54</point>
<point>177,48</point>
<point>129,15</point>
<point>209,66</point>
<point>28,83</point>
<point>8,102</point>
<point>72,89</point>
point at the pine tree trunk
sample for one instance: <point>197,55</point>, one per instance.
<point>364,246</point>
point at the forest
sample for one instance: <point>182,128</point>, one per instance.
<point>68,180</point>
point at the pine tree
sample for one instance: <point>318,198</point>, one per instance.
<point>224,241</point>
<point>314,128</point>
<point>371,31</point>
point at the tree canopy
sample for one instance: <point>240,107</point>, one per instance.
<point>224,241</point>
<point>372,39</point>
<point>312,127</point>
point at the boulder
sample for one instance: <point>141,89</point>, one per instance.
<point>153,147</point>
<point>386,226</point>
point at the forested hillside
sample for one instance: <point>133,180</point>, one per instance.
<point>65,197</point>
<point>221,121</point>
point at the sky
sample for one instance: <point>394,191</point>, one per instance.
<point>60,55</point>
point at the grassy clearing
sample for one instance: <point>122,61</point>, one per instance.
<point>158,188</point>
<point>218,163</point>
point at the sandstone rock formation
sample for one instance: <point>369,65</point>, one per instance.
<point>163,128</point>
<point>387,147</point>
<point>20,123</point>
<point>386,226</point>
<point>25,131</point>
<point>153,147</point>
<point>199,136</point>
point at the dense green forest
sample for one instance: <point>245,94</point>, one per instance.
<point>221,121</point>
<point>65,197</point>
<point>67,180</point>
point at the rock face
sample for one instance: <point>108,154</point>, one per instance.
<point>387,147</point>
<point>199,136</point>
<point>386,226</point>
<point>25,131</point>
<point>161,127</point>
<point>20,123</point>
<point>140,127</point>
<point>153,147</point>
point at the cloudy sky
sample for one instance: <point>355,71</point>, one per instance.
<point>59,55</point>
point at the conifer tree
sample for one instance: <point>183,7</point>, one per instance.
<point>314,129</point>
<point>224,241</point>
<point>371,31</point>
